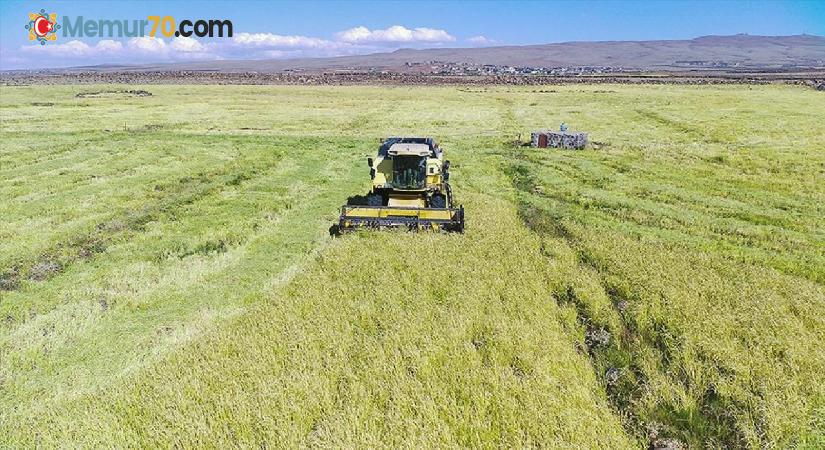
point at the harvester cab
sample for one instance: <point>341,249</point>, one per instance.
<point>410,188</point>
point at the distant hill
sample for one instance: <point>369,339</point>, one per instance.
<point>730,53</point>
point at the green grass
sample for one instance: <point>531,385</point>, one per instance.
<point>169,279</point>
<point>708,228</point>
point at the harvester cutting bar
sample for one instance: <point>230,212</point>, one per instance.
<point>448,219</point>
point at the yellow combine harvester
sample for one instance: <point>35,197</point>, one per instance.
<point>409,189</point>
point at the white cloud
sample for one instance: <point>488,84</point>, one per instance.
<point>277,40</point>
<point>135,50</point>
<point>354,34</point>
<point>393,34</point>
<point>358,40</point>
<point>431,35</point>
<point>147,44</point>
<point>74,49</point>
<point>71,48</point>
<point>108,45</point>
<point>481,41</point>
<point>179,48</point>
<point>187,45</point>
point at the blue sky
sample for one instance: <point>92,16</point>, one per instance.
<point>307,29</point>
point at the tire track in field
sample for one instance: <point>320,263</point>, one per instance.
<point>168,196</point>
<point>610,343</point>
<point>695,133</point>
<point>44,156</point>
<point>114,162</point>
<point>270,258</point>
<point>669,208</point>
<point>646,360</point>
<point>31,275</point>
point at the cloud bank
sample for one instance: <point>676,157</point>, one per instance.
<point>357,40</point>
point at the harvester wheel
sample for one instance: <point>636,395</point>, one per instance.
<point>438,201</point>
<point>375,200</point>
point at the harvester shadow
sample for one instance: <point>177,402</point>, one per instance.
<point>354,200</point>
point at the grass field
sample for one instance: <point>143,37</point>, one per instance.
<point>167,277</point>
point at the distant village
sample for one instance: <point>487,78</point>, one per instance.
<point>470,69</point>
